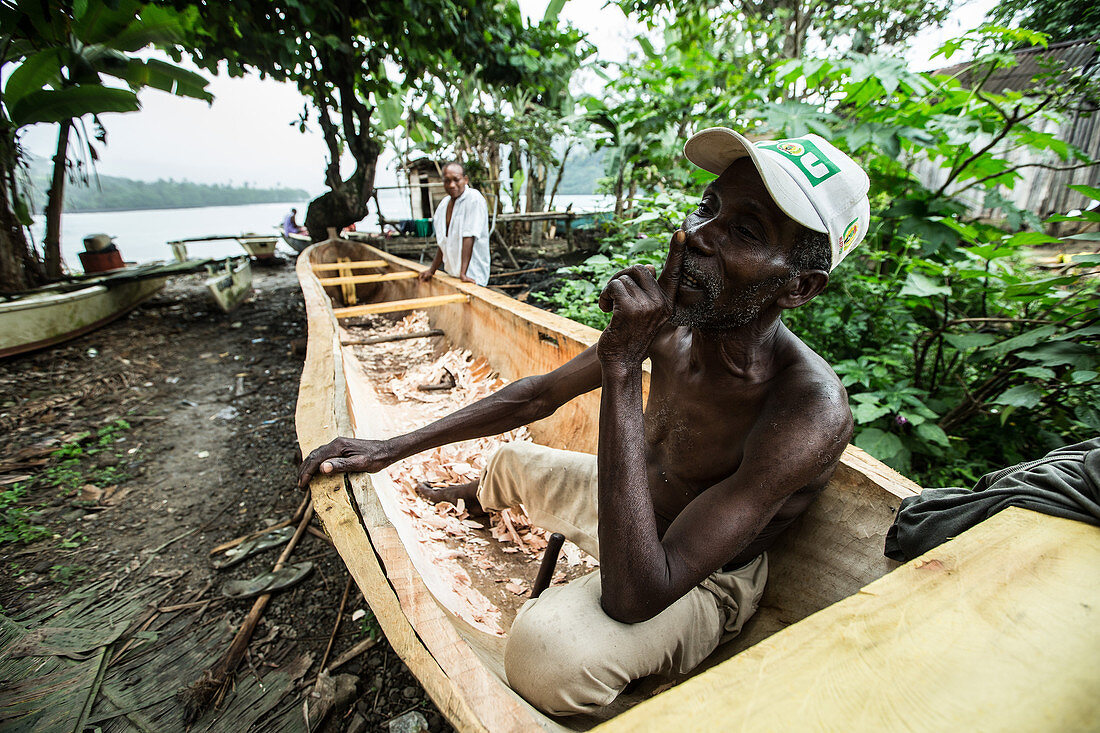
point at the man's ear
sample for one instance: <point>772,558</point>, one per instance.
<point>802,288</point>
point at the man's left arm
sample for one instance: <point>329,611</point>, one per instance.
<point>791,445</point>
<point>795,440</point>
<point>467,252</point>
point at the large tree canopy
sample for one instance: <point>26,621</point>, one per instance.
<point>357,61</point>
<point>1062,20</point>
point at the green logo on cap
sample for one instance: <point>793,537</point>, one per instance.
<point>807,156</point>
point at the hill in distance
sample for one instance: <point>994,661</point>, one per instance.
<point>112,193</point>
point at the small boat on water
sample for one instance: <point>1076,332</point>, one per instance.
<point>996,629</point>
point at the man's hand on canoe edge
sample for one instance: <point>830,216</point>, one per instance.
<point>345,455</point>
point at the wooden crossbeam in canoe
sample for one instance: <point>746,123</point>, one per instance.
<point>330,266</point>
<point>393,306</point>
<point>358,279</point>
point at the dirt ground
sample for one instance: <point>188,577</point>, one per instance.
<point>128,454</point>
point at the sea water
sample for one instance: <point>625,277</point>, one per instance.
<point>143,236</point>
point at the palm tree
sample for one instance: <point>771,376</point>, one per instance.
<point>65,53</point>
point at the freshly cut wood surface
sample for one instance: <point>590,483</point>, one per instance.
<point>396,306</point>
<point>331,266</point>
<point>470,696</point>
<point>355,279</point>
<point>998,630</point>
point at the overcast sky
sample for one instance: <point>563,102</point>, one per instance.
<point>250,135</point>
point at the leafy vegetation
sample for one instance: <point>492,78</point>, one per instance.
<point>363,64</point>
<point>70,470</point>
<point>959,355</point>
<point>17,522</point>
<point>66,61</point>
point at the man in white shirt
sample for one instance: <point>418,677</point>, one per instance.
<point>461,230</point>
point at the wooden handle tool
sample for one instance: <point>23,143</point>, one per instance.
<point>549,562</point>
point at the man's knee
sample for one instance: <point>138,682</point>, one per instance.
<point>556,666</point>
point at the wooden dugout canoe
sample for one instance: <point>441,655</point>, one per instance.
<point>840,641</point>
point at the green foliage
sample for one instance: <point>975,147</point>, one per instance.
<point>66,574</point>
<point>67,60</point>
<point>958,354</point>
<point>69,471</point>
<point>17,522</point>
<point>361,63</point>
<point>640,240</point>
<point>1061,20</point>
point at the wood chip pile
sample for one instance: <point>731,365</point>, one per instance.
<point>490,560</point>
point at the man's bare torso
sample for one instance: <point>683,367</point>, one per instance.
<point>696,423</point>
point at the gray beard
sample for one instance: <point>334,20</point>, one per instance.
<point>745,308</point>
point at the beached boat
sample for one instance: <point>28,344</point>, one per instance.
<point>296,242</point>
<point>258,246</point>
<point>229,282</point>
<point>844,639</point>
<point>57,313</point>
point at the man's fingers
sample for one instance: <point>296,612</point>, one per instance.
<point>670,275</point>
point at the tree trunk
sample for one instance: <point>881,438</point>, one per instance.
<point>20,267</point>
<point>619,183</point>
<point>557,179</point>
<point>536,190</point>
<point>55,203</point>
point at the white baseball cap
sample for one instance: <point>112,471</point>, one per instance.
<point>808,178</point>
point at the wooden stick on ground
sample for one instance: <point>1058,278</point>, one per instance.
<point>336,626</point>
<point>351,654</point>
<point>215,682</point>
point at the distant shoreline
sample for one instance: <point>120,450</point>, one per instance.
<point>173,208</point>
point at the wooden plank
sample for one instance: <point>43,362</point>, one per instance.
<point>998,629</point>
<point>357,279</point>
<point>330,266</point>
<point>393,306</point>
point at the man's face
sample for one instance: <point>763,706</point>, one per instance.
<point>454,181</point>
<point>737,252</point>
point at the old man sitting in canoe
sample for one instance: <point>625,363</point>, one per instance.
<point>743,427</point>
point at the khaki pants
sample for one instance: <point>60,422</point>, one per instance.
<point>564,654</point>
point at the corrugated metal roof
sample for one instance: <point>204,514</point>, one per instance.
<point>1069,55</point>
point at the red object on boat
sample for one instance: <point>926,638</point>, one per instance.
<point>100,261</point>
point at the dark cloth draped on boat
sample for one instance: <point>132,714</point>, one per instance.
<point>1064,483</point>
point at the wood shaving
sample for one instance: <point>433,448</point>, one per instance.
<point>447,534</point>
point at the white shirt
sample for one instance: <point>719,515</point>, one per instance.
<point>470,218</point>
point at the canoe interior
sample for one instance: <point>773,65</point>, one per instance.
<point>834,550</point>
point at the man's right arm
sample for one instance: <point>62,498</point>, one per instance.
<point>428,274</point>
<point>519,403</point>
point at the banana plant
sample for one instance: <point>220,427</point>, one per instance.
<point>74,60</point>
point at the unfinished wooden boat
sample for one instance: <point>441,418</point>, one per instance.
<point>58,313</point>
<point>962,638</point>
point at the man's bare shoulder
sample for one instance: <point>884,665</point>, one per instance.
<point>808,402</point>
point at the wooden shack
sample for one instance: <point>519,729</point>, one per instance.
<point>1039,189</point>
<point>425,182</point>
